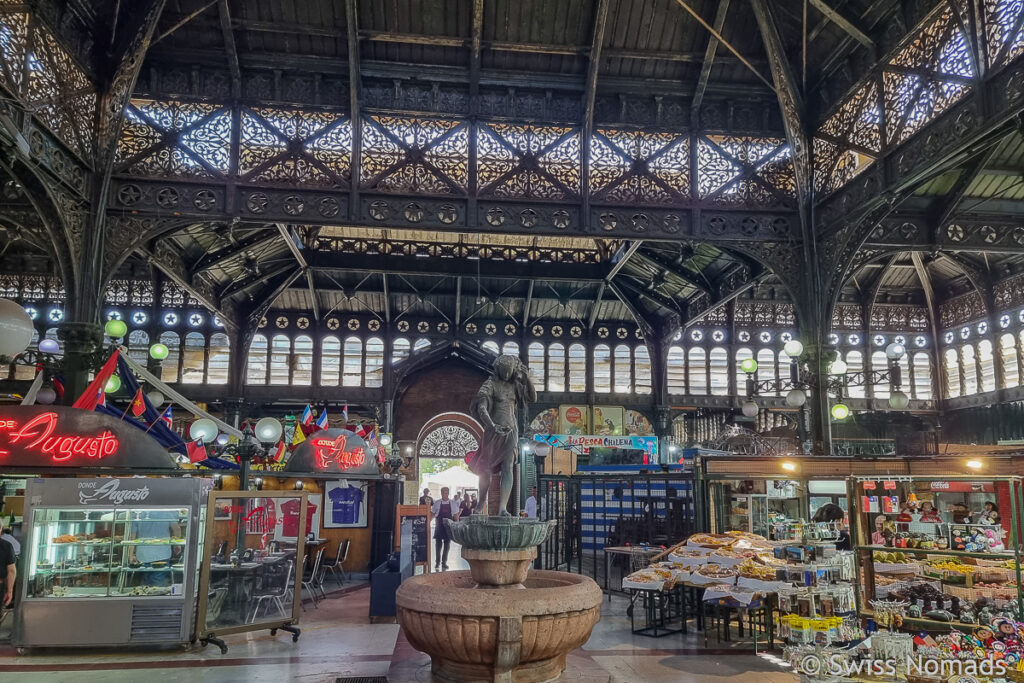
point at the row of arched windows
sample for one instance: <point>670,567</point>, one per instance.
<point>915,371</point>
<point>971,368</point>
<point>194,359</point>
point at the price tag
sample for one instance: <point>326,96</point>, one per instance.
<point>889,485</point>
<point>869,486</point>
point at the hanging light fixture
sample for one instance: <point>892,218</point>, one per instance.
<point>837,367</point>
<point>749,408</point>
<point>158,351</point>
<point>796,398</point>
<point>115,329</point>
<point>898,400</point>
<point>748,365</point>
<point>840,411</point>
<point>895,351</point>
<point>112,385</point>
<point>793,348</point>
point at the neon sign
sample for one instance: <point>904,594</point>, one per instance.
<point>37,434</point>
<point>327,451</point>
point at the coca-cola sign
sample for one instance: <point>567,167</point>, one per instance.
<point>111,491</point>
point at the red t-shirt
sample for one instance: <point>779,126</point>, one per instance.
<point>290,517</point>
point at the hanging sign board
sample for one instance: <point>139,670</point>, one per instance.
<point>60,436</point>
<point>334,450</point>
<point>962,486</point>
<point>648,444</point>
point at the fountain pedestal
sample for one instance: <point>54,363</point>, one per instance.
<point>498,622</point>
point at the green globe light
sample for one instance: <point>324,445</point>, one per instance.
<point>158,351</point>
<point>115,329</point>
<point>113,384</point>
<point>840,411</point>
<point>748,365</point>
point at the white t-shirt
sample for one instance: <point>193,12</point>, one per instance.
<point>531,507</point>
<point>436,509</point>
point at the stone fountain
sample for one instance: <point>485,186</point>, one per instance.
<point>499,621</point>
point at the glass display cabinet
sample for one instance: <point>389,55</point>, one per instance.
<point>110,561</point>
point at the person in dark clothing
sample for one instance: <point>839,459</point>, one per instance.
<point>466,506</point>
<point>830,512</point>
<point>8,573</point>
<point>426,498</point>
<point>443,509</point>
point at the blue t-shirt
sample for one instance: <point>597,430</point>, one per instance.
<point>345,503</point>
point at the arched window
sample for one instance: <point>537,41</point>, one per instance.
<point>602,369</point>
<point>491,346</point>
<point>220,359</point>
<point>1008,349</point>
<point>535,356</point>
<point>623,369</point>
<point>577,368</point>
<point>642,362</point>
<point>719,360</point>
<point>741,377</point>
<point>138,346</point>
<point>969,364</point>
<point>922,376</point>
<point>169,365</point>
<point>987,365</point>
<point>855,363</point>
<point>878,364</point>
<point>302,361</point>
<point>676,370</point>
<point>421,343</point>
<point>510,349</point>
<point>256,361</point>
<point>280,357</point>
<point>698,371</point>
<point>952,368</point>
<point>352,364</point>
<point>556,367</point>
<point>193,357</point>
<point>399,350</point>
<point>330,360</point>
<point>374,362</point>
<point>766,368</point>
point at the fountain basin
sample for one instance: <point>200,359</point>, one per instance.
<point>519,635</point>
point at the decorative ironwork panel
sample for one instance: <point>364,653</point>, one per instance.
<point>528,161</point>
<point>170,139</point>
<point>848,317</point>
<point>1009,292</point>
<point>13,43</point>
<point>961,309</point>
<point>764,313</point>
<point>847,142</point>
<point>414,155</point>
<point>60,93</point>
<point>637,167</point>
<point>745,170</point>
<point>926,77</point>
<point>294,147</point>
<point>448,441</point>
<point>1004,30</point>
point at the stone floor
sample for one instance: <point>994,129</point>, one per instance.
<point>338,641</point>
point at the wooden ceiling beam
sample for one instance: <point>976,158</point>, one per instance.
<point>232,51</point>
<point>847,25</point>
<point>589,99</point>
<point>184,20</point>
<point>709,61</point>
<point>717,34</point>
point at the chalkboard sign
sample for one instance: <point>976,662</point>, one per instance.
<point>419,515</point>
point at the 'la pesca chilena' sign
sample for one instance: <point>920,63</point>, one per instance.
<point>57,436</point>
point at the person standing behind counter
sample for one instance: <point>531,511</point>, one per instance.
<point>160,525</point>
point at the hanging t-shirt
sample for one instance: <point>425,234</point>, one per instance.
<point>290,517</point>
<point>345,504</point>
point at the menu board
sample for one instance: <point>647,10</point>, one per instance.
<point>419,515</point>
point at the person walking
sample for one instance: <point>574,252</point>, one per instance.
<point>443,509</point>
<point>426,498</point>
<point>466,506</point>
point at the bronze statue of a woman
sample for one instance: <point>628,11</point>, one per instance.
<point>497,405</point>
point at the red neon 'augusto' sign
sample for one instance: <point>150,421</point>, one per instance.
<point>329,451</point>
<point>38,435</point>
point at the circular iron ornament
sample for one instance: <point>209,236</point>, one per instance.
<point>556,331</point>
<point>602,332</point>
<point>490,329</point>
<point>743,336</point>
<point>576,331</point>
<point>423,326</point>
<point>537,330</point>
<point>608,221</point>
<point>414,213</point>
<point>56,315</point>
<point>294,205</point>
<point>908,231</point>
<point>170,319</point>
<point>353,324</point>
<point>204,200</point>
<point>168,197</point>
<point>965,332</point>
<point>442,328</point>
<point>129,195</point>
<point>920,341</point>
<point>528,218</point>
<point>1004,321</point>
<point>765,336</point>
<point>641,222</point>
<point>718,336</point>
<point>263,322</point>
<point>748,226</point>
<point>638,334</point>
<point>1018,236</point>
<point>333,323</point>
<point>785,337</point>
<point>853,339</point>
<point>900,339</point>
<point>447,214</point>
<point>560,219</point>
<point>671,223</point>
<point>257,202</point>
<point>510,330</point>
<point>879,340</point>
<point>36,143</point>
<point>139,317</point>
<point>780,226</point>
<point>403,325</point>
<point>328,207</point>
<point>982,327</point>
<point>717,224</point>
<point>281,322</point>
<point>949,337</point>
<point>380,210</point>
<point>470,328</point>
<point>495,216</point>
<point>696,335</point>
<point>196,319</point>
<point>989,234</point>
<point>373,325</point>
<point>956,232</point>
<point>302,323</point>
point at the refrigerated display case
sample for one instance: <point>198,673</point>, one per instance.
<point>110,561</point>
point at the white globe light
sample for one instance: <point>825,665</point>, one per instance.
<point>542,449</point>
<point>837,367</point>
<point>898,400</point>
<point>203,428</point>
<point>156,398</point>
<point>49,346</point>
<point>222,439</point>
<point>46,396</point>
<point>268,430</point>
<point>895,351</point>
<point>793,348</point>
<point>796,398</point>
<point>385,439</point>
<point>15,328</point>
<point>749,409</point>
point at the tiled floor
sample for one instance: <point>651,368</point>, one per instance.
<point>338,640</point>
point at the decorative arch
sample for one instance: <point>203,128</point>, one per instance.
<point>459,429</point>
